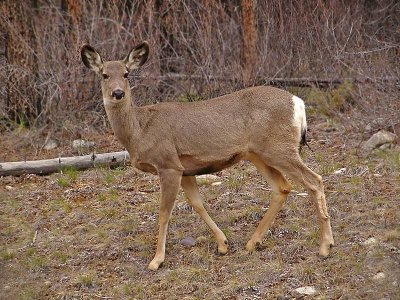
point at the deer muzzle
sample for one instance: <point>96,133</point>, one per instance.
<point>118,94</point>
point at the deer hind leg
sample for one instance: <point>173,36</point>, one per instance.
<point>299,172</point>
<point>191,190</point>
<point>280,190</point>
<point>170,181</point>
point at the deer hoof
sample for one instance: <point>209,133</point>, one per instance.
<point>223,249</point>
<point>324,250</point>
<point>154,265</point>
<point>252,245</point>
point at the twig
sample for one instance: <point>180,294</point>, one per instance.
<point>34,238</point>
<point>98,296</point>
<point>102,297</point>
<point>30,244</point>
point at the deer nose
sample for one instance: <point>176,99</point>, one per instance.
<point>118,94</point>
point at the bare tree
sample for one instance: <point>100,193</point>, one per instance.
<point>72,10</point>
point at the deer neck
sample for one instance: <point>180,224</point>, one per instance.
<point>123,120</point>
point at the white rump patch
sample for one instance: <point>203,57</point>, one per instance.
<point>299,114</point>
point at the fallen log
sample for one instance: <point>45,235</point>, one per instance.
<point>48,166</point>
<point>280,82</point>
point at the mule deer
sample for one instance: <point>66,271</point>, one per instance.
<point>178,141</point>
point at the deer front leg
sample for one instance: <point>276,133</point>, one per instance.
<point>170,181</point>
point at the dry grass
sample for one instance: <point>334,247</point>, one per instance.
<point>96,231</point>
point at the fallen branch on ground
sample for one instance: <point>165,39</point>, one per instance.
<point>293,82</point>
<point>47,166</point>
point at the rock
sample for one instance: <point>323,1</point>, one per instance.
<point>305,291</point>
<point>9,188</point>
<point>207,179</point>
<point>216,183</point>
<point>302,194</point>
<point>378,139</point>
<point>82,144</point>
<point>188,242</point>
<point>339,171</point>
<point>50,144</point>
<point>379,276</point>
<point>370,241</point>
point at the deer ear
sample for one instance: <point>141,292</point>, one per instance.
<point>91,58</point>
<point>137,57</point>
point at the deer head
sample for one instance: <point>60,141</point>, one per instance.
<point>114,74</point>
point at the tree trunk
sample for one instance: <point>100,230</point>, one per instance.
<point>249,37</point>
<point>73,11</point>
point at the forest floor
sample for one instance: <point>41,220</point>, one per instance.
<point>91,234</point>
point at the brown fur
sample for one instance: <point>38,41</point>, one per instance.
<point>180,140</point>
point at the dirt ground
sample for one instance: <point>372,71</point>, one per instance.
<point>91,234</point>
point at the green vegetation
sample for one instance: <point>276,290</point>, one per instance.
<point>109,213</point>
<point>63,182</point>
<point>36,262</point>
<point>6,254</point>
<point>60,256</point>
<point>69,175</point>
<point>60,204</point>
<point>328,102</point>
<point>86,280</point>
<point>110,195</point>
<point>189,97</point>
<point>109,178</point>
<point>29,294</point>
<point>342,96</point>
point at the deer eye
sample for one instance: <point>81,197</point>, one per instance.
<point>126,75</point>
<point>105,76</point>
